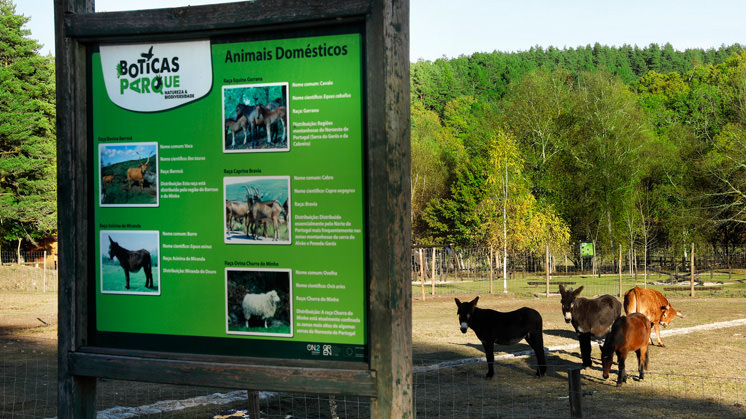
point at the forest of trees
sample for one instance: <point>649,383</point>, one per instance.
<point>28,141</point>
<point>621,146</point>
<point>628,146</point>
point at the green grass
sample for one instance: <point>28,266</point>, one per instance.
<point>720,285</point>
<point>115,281</point>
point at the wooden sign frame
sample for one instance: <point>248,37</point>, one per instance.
<point>386,376</point>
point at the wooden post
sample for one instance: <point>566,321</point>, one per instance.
<point>254,410</point>
<point>620,271</point>
<point>387,67</point>
<point>576,393</point>
<point>44,273</point>
<point>432,292</point>
<point>456,264</point>
<point>492,269</point>
<point>691,274</point>
<point>546,274</point>
<point>76,395</point>
<point>422,275</point>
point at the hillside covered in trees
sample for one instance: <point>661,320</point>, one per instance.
<point>619,146</point>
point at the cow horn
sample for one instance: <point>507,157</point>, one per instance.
<point>680,314</point>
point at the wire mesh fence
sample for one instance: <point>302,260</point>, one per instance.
<point>451,271</point>
<point>28,271</point>
<point>442,388</point>
<point>448,391</point>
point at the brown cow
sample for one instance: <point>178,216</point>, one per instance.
<point>137,174</point>
<point>653,305</point>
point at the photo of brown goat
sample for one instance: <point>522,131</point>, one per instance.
<point>254,210</point>
<point>260,112</point>
<point>129,175</point>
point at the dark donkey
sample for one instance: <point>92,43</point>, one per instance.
<point>504,328</point>
<point>628,333</point>
<point>589,317</point>
<point>132,261</point>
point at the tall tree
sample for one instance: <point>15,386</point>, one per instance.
<point>28,175</point>
<point>601,160</point>
<point>435,155</point>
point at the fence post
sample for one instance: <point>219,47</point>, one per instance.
<point>44,273</point>
<point>434,262</point>
<point>254,410</point>
<point>492,269</point>
<point>576,393</point>
<point>422,275</point>
<point>620,271</point>
<point>691,274</point>
<point>547,271</point>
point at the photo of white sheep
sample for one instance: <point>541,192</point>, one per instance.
<point>258,302</point>
<point>263,306</point>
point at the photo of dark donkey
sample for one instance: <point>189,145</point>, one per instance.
<point>132,261</point>
<point>589,317</point>
<point>628,333</point>
<point>508,328</point>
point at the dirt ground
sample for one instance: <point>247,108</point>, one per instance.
<point>697,374</point>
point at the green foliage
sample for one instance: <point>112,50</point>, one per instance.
<point>620,146</point>
<point>28,191</point>
<point>435,156</point>
<point>123,191</point>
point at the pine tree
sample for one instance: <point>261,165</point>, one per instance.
<point>28,172</point>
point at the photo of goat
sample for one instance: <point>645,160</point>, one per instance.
<point>259,302</point>
<point>129,262</point>
<point>128,175</point>
<point>257,210</point>
<point>255,118</point>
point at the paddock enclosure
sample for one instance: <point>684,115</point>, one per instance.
<point>445,270</point>
<point>698,374</point>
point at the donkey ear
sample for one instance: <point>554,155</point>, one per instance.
<point>562,289</point>
<point>110,240</point>
<point>458,302</point>
<point>474,301</point>
<point>577,291</point>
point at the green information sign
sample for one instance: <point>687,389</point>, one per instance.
<point>586,249</point>
<point>230,206</point>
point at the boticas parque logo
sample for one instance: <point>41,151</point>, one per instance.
<point>156,77</point>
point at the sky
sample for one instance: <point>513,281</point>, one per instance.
<point>452,28</point>
<point>117,153</point>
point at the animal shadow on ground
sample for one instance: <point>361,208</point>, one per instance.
<point>555,363</point>
<point>577,362</point>
<point>499,349</point>
<point>563,333</point>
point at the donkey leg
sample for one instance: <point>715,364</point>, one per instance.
<point>489,349</point>
<point>536,341</point>
<point>127,275</point>
<point>585,349</point>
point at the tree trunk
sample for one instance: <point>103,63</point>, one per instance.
<point>18,251</point>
